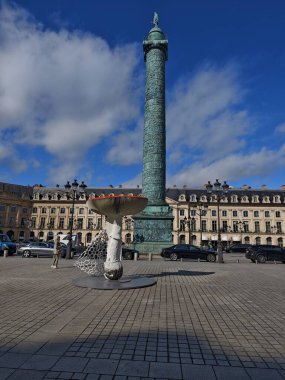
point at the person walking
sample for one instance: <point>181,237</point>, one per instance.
<point>56,252</point>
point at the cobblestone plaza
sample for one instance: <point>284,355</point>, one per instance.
<point>200,321</point>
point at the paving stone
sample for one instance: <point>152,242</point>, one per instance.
<point>101,366</point>
<point>70,364</point>
<point>197,372</point>
<point>5,372</point>
<point>226,373</point>
<point>165,370</point>
<point>263,374</point>
<point>13,360</point>
<point>23,374</point>
<point>133,368</point>
<point>40,362</point>
<point>54,349</point>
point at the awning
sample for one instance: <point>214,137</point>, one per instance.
<point>224,238</point>
<point>214,238</point>
<point>205,237</point>
<point>236,238</point>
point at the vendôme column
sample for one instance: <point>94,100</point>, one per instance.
<point>153,227</point>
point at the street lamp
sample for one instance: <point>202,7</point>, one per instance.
<point>202,212</point>
<point>220,192</point>
<point>189,223</point>
<point>73,192</point>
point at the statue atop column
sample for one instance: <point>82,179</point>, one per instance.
<point>155,19</point>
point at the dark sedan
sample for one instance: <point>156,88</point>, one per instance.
<point>238,248</point>
<point>129,253</point>
<point>188,251</point>
<point>263,253</point>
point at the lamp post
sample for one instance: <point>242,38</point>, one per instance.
<point>202,212</point>
<point>220,192</point>
<point>73,192</point>
<point>188,222</point>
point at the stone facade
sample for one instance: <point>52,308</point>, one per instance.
<point>255,216</point>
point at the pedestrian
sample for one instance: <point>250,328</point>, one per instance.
<point>56,252</point>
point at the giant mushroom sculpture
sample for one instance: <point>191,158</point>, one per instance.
<point>114,207</point>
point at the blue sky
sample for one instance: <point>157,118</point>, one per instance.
<point>72,91</point>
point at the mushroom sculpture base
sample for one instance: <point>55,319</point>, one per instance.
<point>114,207</point>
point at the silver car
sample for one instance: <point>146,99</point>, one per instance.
<point>35,249</point>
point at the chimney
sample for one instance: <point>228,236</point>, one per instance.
<point>263,187</point>
<point>282,187</point>
<point>245,187</point>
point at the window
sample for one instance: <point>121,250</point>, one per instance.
<point>42,222</point>
<point>245,227</point>
<point>53,210</point>
<point>255,199</point>
<point>256,214</point>
<point>235,226</point>
<point>193,225</point>
<point>280,242</point>
<point>266,214</point>
<point>278,214</point>
<point>245,214</point>
<point>224,213</point>
<point>257,240</point>
<point>80,223</point>
<point>203,212</point>
<point>33,224</point>
<point>44,210</point>
<point>267,227</point>
<point>204,225</point>
<point>90,211</point>
<point>99,223</point>
<point>214,212</point>
<point>235,213</point>
<point>89,223</point>
<point>2,208</point>
<point>13,208</point>
<point>181,212</point>
<point>193,212</point>
<point>81,210</point>
<point>214,225</point>
<point>35,210</point>
<point>182,225</point>
<point>256,227</point>
<point>61,223</point>
<point>62,210</point>
<point>51,223</point>
<point>224,225</point>
<point>279,227</point>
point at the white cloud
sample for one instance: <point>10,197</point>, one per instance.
<point>205,114</point>
<point>234,167</point>
<point>127,147</point>
<point>280,128</point>
<point>64,91</point>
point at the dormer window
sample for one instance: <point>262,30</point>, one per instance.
<point>265,199</point>
<point>234,198</point>
<point>255,199</point>
<point>182,197</point>
<point>276,199</point>
<point>193,198</point>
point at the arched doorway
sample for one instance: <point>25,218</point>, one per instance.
<point>41,235</point>
<point>32,235</point>
<point>269,241</point>
<point>88,238</point>
<point>128,238</point>
<point>22,235</point>
<point>280,242</point>
<point>182,239</point>
<point>194,239</point>
<point>257,240</point>
<point>50,236</point>
<point>79,237</point>
<point>247,240</point>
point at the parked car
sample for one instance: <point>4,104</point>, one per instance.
<point>129,253</point>
<point>39,249</point>
<point>5,242</point>
<point>238,248</point>
<point>263,253</point>
<point>188,251</point>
